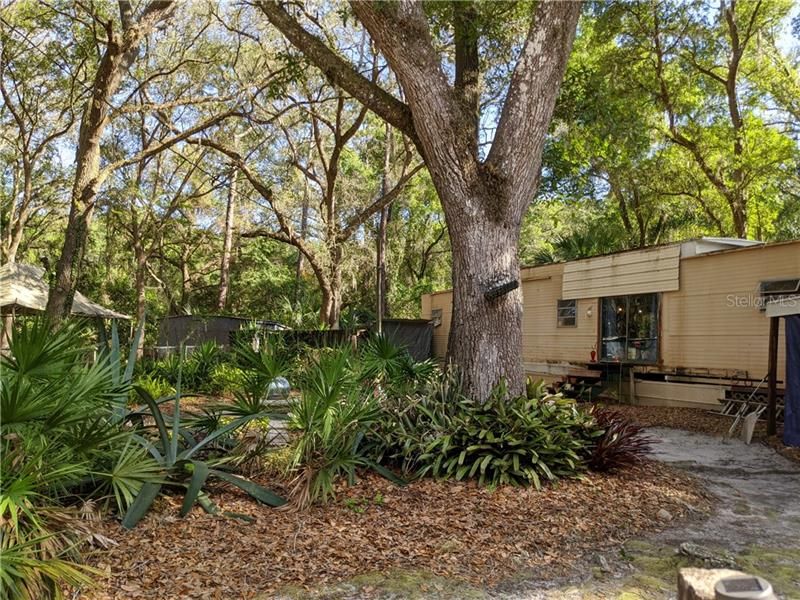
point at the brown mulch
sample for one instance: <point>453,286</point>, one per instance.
<point>702,421</point>
<point>429,525</point>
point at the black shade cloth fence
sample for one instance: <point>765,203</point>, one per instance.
<point>189,331</point>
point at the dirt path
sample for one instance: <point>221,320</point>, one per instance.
<point>758,491</point>
<point>755,525</point>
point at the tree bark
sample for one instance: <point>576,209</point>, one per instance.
<point>225,264</point>
<point>16,228</point>
<point>121,50</point>
<point>383,221</point>
<point>298,272</point>
<point>485,334</point>
<point>141,297</point>
<point>331,287</point>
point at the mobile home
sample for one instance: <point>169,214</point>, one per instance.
<point>681,324</point>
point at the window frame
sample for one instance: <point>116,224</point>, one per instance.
<point>573,308</point>
<point>601,338</point>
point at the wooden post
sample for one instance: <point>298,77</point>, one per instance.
<point>772,376</point>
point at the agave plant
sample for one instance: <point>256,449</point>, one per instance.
<point>123,379</point>
<point>179,453</point>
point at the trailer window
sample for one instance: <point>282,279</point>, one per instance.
<point>567,313</point>
<point>629,328</point>
<point>780,286</point>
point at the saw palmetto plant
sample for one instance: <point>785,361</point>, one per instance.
<point>62,443</point>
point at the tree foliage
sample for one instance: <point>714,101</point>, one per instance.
<point>644,148</point>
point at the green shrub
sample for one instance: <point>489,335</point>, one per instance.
<point>383,363</point>
<point>199,366</point>
<point>167,369</point>
<point>505,440</point>
<point>226,379</point>
<point>62,442</point>
<point>197,369</point>
<point>156,386</point>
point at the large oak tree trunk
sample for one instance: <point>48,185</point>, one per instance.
<point>486,333</point>
<point>483,198</point>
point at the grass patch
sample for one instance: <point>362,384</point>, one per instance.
<point>779,566</point>
<point>411,585</point>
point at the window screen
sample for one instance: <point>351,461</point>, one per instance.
<point>780,286</point>
<point>567,313</point>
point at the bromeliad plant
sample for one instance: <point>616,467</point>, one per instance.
<point>621,443</point>
<point>505,440</point>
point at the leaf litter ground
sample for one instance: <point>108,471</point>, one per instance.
<point>453,530</point>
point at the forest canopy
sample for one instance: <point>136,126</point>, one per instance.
<point>216,169</point>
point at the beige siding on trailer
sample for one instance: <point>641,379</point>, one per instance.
<point>543,341</point>
<point>637,272</point>
<point>709,326</point>
<point>712,323</point>
<point>443,301</point>
<point>686,395</point>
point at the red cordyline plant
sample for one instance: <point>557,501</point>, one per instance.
<point>622,444</point>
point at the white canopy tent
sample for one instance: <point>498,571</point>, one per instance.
<point>23,289</point>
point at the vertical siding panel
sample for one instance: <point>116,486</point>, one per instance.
<point>542,340</point>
